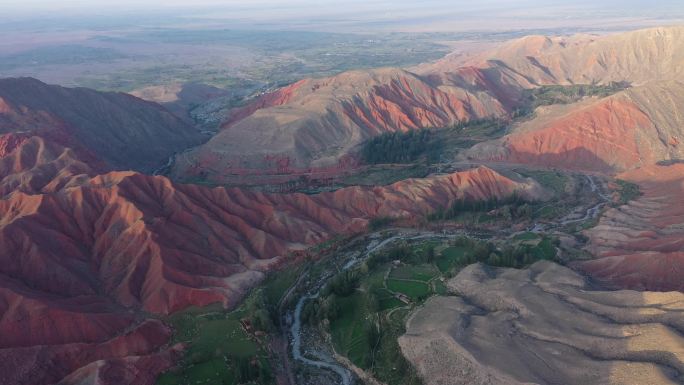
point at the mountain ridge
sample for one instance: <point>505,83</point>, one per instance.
<point>124,131</point>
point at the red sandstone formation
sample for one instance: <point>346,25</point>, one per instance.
<point>641,245</point>
<point>604,136</point>
<point>634,128</point>
<point>32,165</point>
<point>81,254</point>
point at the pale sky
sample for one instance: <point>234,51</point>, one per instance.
<point>399,15</point>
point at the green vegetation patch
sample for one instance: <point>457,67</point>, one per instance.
<point>526,236</point>
<point>378,223</point>
<point>364,311</point>
<point>552,180</point>
<point>440,287</point>
<point>353,331</point>
<point>451,257</point>
<point>556,94</point>
<point>276,285</point>
<point>224,347</point>
<point>390,302</point>
<point>627,191</point>
<point>415,290</point>
<point>401,147</point>
<point>513,206</point>
<point>544,250</point>
<point>384,174</point>
<point>422,273</point>
<point>219,352</point>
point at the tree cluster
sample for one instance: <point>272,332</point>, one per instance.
<point>512,207</point>
<point>400,147</point>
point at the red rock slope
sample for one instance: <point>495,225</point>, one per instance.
<point>634,128</point>
<point>638,245</point>
<point>316,122</point>
<point>641,245</point>
<point>82,254</point>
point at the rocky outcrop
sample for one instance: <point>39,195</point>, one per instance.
<point>545,325</point>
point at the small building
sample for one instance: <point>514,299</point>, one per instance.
<point>403,298</point>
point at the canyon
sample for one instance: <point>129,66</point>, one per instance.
<point>95,251</point>
<point>85,256</point>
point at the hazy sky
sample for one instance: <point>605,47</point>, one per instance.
<point>362,15</point>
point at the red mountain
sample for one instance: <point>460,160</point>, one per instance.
<point>124,131</point>
<point>82,256</point>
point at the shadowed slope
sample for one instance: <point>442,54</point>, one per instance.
<point>124,131</point>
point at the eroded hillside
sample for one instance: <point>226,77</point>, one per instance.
<point>91,252</point>
<point>545,324</point>
<point>317,123</point>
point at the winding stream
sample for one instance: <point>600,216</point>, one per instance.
<point>345,374</point>
<point>590,213</point>
<point>593,211</point>
<point>296,328</point>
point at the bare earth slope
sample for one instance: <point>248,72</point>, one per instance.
<point>316,122</point>
<point>82,254</point>
<point>639,57</point>
<point>641,245</point>
<point>124,131</point>
<point>545,325</point>
<point>625,134</point>
<point>634,128</point>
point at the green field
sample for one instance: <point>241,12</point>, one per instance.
<point>390,303</point>
<point>451,257</point>
<point>422,273</point>
<point>219,351</point>
<point>439,287</point>
<point>366,319</point>
<point>544,250</point>
<point>380,175</point>
<point>355,334</point>
<point>526,236</point>
<point>351,330</point>
<point>415,290</point>
<point>552,180</point>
